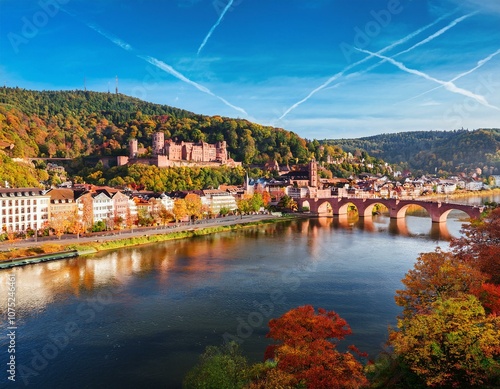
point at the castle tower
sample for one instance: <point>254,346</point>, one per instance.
<point>313,173</point>
<point>133,148</point>
<point>158,143</point>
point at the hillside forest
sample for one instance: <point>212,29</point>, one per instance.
<point>433,152</point>
<point>83,124</point>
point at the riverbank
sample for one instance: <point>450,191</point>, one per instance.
<point>466,194</point>
<point>86,246</point>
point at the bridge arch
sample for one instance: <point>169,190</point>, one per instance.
<point>368,212</point>
<point>401,211</point>
<point>444,215</point>
<point>305,206</point>
<point>325,209</point>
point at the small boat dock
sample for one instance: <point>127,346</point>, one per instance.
<point>38,258</point>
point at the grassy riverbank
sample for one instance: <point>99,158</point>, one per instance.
<point>158,236</point>
<point>466,194</point>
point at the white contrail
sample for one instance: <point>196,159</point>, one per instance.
<point>349,67</point>
<point>422,42</point>
<point>447,84</point>
<point>479,64</point>
<point>169,69</point>
<point>438,33</point>
<point>165,67</point>
<point>229,4</point>
<point>114,39</point>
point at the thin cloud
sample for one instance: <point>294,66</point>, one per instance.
<point>169,69</point>
<point>159,64</point>
<point>479,64</point>
<point>228,6</point>
<point>447,84</point>
<point>349,67</point>
<point>418,44</point>
<point>438,33</point>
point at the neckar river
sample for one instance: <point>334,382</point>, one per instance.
<point>141,317</point>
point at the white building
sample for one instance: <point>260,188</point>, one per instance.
<point>297,192</point>
<point>217,199</point>
<point>474,185</point>
<point>102,207</point>
<point>167,202</point>
<point>23,208</point>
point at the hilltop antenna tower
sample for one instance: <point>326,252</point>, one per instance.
<point>116,85</point>
<point>85,83</point>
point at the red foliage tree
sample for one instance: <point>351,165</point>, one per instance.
<point>303,349</point>
<point>436,275</point>
<point>490,298</point>
<point>480,245</point>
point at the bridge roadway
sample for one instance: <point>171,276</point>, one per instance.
<point>338,206</point>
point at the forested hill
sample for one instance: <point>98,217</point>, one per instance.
<point>74,124</point>
<point>424,151</point>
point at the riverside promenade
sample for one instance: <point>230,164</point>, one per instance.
<point>135,232</point>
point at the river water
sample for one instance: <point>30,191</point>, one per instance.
<point>140,317</point>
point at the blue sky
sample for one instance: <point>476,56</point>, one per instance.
<point>320,68</point>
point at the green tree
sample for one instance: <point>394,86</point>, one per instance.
<point>219,368</point>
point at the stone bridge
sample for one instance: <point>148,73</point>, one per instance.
<point>438,211</point>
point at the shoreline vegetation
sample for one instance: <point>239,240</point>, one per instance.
<point>151,236</point>
<point>466,194</point>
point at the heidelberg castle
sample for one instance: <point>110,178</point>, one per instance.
<point>167,153</point>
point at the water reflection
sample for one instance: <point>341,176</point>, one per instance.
<point>193,257</point>
<point>170,300</point>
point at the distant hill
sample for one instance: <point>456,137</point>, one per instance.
<point>75,124</point>
<point>433,151</point>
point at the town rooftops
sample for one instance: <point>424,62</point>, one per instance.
<point>13,192</point>
<point>61,194</point>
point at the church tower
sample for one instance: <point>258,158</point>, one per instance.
<point>313,173</point>
<point>249,188</point>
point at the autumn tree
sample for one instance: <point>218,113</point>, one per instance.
<point>304,349</point>
<point>266,198</point>
<point>60,222</point>
<point>489,295</point>
<point>194,206</point>
<point>76,224</point>
<point>287,202</point>
<point>437,275</point>
<point>480,245</point>
<point>165,215</point>
<point>180,209</point>
<point>130,219</point>
<point>454,345</point>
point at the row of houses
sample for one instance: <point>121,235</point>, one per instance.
<point>23,209</point>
